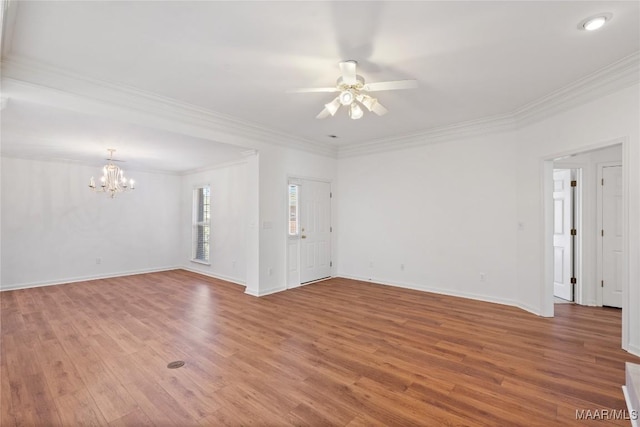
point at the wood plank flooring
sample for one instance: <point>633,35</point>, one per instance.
<point>338,352</point>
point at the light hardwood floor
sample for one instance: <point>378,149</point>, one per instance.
<point>338,352</point>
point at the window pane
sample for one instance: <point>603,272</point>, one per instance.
<point>201,223</point>
<point>293,210</point>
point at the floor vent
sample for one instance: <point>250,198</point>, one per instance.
<point>175,365</point>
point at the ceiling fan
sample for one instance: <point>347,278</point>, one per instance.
<point>353,88</point>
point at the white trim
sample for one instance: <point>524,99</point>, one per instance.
<point>213,167</point>
<point>626,245</point>
<point>265,292</point>
<point>630,408</point>
<point>612,78</point>
<point>85,163</point>
<point>633,349</point>
<point>86,278</point>
<point>546,287</point>
<point>440,291</point>
<point>299,181</point>
<point>77,88</point>
<point>195,223</point>
<point>489,125</point>
<point>314,281</point>
<point>530,309</point>
<point>229,279</point>
<point>547,305</point>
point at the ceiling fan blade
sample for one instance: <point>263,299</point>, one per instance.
<point>393,85</point>
<point>348,69</point>
<point>323,114</point>
<point>379,109</point>
<point>313,89</point>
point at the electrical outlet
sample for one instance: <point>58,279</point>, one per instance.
<point>270,271</point>
<point>98,261</point>
<point>483,277</point>
<point>402,267</point>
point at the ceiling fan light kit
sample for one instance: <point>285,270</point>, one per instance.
<point>351,87</point>
<point>355,112</point>
<point>333,106</point>
<point>346,97</point>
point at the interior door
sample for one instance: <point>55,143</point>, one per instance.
<point>315,230</point>
<point>562,238</point>
<point>612,236</point>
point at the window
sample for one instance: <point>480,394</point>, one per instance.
<point>201,223</point>
<point>293,210</point>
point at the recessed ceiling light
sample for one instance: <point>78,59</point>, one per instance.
<point>595,22</point>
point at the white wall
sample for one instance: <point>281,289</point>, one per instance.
<point>228,221</point>
<point>277,164</point>
<point>451,211</point>
<point>54,228</point>
<point>608,120</point>
<point>445,211</point>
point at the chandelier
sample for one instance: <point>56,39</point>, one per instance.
<point>112,180</point>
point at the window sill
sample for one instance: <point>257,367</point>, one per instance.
<point>197,261</point>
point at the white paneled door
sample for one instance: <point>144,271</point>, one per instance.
<point>612,236</point>
<point>315,230</point>
<point>562,237</point>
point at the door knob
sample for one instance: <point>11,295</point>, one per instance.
<point>303,237</point>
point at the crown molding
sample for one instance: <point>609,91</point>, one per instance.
<point>99,165</point>
<point>229,129</point>
<point>612,78</point>
<point>214,167</point>
<point>469,129</point>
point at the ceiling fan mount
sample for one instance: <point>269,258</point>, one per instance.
<point>345,86</point>
<point>352,92</point>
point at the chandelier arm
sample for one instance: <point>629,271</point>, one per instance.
<point>113,180</point>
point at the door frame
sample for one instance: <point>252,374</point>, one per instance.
<point>599,221</point>
<point>546,167</point>
<point>293,279</point>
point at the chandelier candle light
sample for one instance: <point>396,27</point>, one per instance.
<point>112,180</point>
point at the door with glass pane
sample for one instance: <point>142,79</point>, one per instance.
<point>309,231</point>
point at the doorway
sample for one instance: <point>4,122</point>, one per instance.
<point>589,261</point>
<point>308,232</point>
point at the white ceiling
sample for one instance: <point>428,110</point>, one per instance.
<point>471,59</point>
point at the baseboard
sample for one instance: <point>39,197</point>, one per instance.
<point>85,278</point>
<point>633,349</point>
<point>440,291</point>
<point>216,276</point>
<point>528,308</point>
<point>265,292</point>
